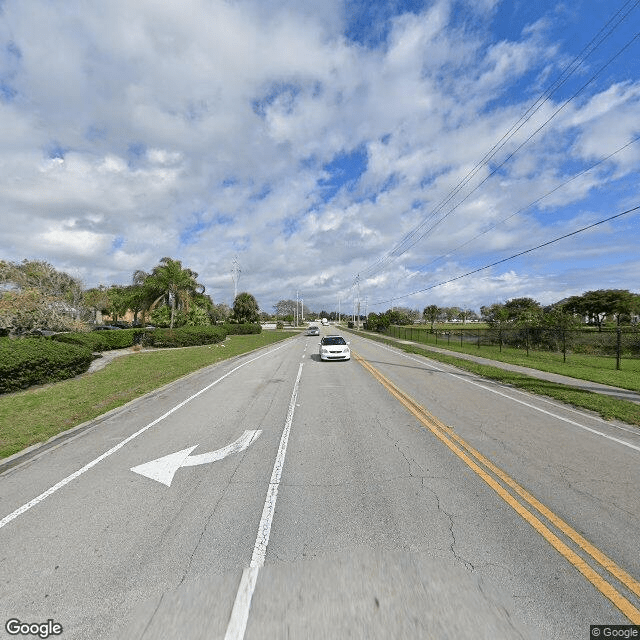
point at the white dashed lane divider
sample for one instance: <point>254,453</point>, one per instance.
<point>240,612</point>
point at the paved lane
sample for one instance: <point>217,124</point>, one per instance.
<point>379,529</point>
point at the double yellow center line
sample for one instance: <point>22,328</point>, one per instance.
<point>473,459</point>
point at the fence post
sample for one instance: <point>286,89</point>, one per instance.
<point>478,330</point>
<point>564,345</point>
<point>618,347</point>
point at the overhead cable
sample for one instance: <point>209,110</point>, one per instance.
<point>515,255</point>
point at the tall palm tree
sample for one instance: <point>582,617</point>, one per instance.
<point>171,283</point>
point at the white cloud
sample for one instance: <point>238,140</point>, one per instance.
<point>201,130</point>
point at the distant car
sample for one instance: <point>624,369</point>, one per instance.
<point>313,330</point>
<point>334,348</point>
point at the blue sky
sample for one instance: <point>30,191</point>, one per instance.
<point>400,141</point>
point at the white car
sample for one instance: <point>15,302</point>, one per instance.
<point>313,330</point>
<point>334,348</point>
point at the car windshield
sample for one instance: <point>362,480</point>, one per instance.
<point>333,340</point>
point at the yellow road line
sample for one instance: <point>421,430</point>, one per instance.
<point>446,435</point>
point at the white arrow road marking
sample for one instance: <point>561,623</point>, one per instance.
<point>163,469</point>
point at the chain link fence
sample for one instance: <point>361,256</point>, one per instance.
<point>622,343</point>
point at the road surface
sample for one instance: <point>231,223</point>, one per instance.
<point>274,495</point>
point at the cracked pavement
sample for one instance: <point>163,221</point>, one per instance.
<point>378,530</point>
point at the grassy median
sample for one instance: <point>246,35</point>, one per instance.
<point>35,415</point>
<point>607,407</point>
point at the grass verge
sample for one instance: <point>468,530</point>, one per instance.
<point>607,407</point>
<point>600,369</point>
<point>37,414</point>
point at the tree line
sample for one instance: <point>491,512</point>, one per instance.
<point>34,295</point>
<point>595,308</point>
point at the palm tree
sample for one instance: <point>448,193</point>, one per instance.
<point>171,283</point>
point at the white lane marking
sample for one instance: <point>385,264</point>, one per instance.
<point>526,404</point>
<point>163,469</point>
<point>43,496</point>
<point>240,612</point>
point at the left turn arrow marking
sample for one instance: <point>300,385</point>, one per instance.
<point>163,469</point>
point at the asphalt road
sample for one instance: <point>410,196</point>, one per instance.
<point>385,497</point>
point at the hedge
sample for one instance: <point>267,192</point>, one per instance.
<point>103,340</point>
<point>183,336</point>
<point>28,361</point>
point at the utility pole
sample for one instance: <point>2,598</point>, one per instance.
<point>358,285</point>
<point>235,276</point>
<point>338,309</point>
<point>302,310</point>
<point>296,307</point>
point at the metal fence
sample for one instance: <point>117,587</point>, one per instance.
<point>612,343</point>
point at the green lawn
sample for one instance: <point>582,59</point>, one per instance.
<point>585,367</point>
<point>34,415</point>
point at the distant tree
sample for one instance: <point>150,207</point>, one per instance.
<point>172,284</point>
<point>451,313</point>
<point>467,314</point>
<point>559,317</point>
<point>398,316</point>
<point>220,312</point>
<point>495,315</point>
<point>97,301</point>
<point>377,322</point>
<point>431,314</point>
<point>245,308</point>
<point>523,311</point>
<point>597,306</point>
<point>118,302</point>
<point>35,295</point>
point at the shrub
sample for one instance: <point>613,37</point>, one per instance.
<point>242,329</point>
<point>279,324</point>
<point>28,361</point>
<point>183,336</point>
<point>102,340</point>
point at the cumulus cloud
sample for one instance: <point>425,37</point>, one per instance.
<point>309,140</point>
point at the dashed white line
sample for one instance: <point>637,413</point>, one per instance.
<point>240,612</point>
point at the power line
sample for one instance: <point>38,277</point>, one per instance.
<point>544,124</point>
<point>516,255</point>
<point>536,201</point>
<point>401,247</point>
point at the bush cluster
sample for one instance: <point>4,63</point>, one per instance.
<point>242,329</point>
<point>183,336</point>
<point>28,361</point>
<point>103,340</point>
